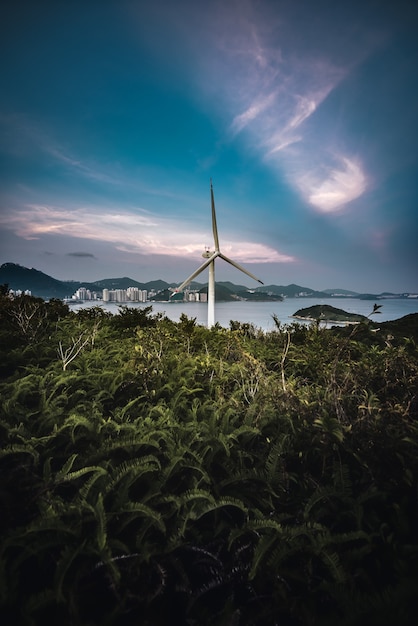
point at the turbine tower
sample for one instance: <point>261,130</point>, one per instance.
<point>210,262</point>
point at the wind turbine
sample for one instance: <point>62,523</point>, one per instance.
<point>210,262</point>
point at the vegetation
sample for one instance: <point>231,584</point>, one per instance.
<point>154,472</point>
<point>327,313</point>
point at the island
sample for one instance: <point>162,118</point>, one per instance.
<point>330,314</point>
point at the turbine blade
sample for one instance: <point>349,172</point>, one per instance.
<point>197,272</point>
<point>239,267</point>
<point>214,225</point>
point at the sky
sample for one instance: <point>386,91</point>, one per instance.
<point>116,115</point>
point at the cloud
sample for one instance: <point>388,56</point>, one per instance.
<point>262,77</point>
<point>284,136</point>
<point>34,220</point>
<point>22,136</point>
<point>82,255</point>
<point>304,108</point>
<point>131,232</point>
<point>88,170</point>
<point>273,78</point>
<point>249,252</point>
<point>253,111</point>
<point>338,187</point>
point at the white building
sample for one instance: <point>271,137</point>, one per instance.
<point>132,294</point>
<point>83,294</point>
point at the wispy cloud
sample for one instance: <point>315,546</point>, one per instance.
<point>301,108</point>
<point>34,220</point>
<point>273,90</point>
<point>92,171</point>
<point>253,111</point>
<point>305,106</point>
<point>132,232</point>
<point>248,252</point>
<point>23,136</point>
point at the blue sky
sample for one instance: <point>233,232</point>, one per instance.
<point>114,116</point>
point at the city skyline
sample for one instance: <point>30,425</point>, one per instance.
<point>115,116</point>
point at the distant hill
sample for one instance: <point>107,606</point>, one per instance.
<point>41,285</point>
<point>258,296</point>
<point>340,292</point>
<point>222,294</point>
<point>292,291</point>
<point>233,288</point>
<point>158,285</point>
<point>115,283</point>
<point>165,295</point>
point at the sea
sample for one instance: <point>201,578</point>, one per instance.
<point>260,314</point>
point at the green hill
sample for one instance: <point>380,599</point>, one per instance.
<point>41,285</point>
<point>116,283</point>
<point>328,313</point>
<point>340,292</point>
<point>292,291</point>
<point>259,296</point>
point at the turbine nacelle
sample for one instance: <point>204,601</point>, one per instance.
<point>207,253</point>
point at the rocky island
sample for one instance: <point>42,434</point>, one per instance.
<point>328,313</point>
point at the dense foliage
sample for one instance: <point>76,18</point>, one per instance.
<point>159,473</point>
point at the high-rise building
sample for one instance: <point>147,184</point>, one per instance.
<point>121,295</point>
<point>83,294</point>
<point>132,293</point>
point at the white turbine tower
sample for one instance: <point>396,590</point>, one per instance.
<point>210,262</point>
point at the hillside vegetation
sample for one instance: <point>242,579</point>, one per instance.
<point>327,313</point>
<point>156,473</point>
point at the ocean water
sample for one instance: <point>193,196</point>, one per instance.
<point>260,314</point>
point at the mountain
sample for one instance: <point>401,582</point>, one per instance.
<point>158,285</point>
<point>258,296</point>
<point>292,291</point>
<point>222,294</point>
<point>115,283</point>
<point>340,292</point>
<point>233,288</point>
<point>41,285</point>
<point>21,278</point>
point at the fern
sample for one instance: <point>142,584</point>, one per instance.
<point>333,565</point>
<point>65,561</point>
<point>262,550</point>
<point>129,477</point>
<point>89,490</point>
<point>320,495</point>
<point>274,461</point>
<point>217,505</point>
<point>101,532</point>
<point>37,602</point>
<point>146,512</point>
<point>197,494</point>
<point>64,471</point>
<point>22,449</point>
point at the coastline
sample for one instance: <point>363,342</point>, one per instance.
<point>325,320</point>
